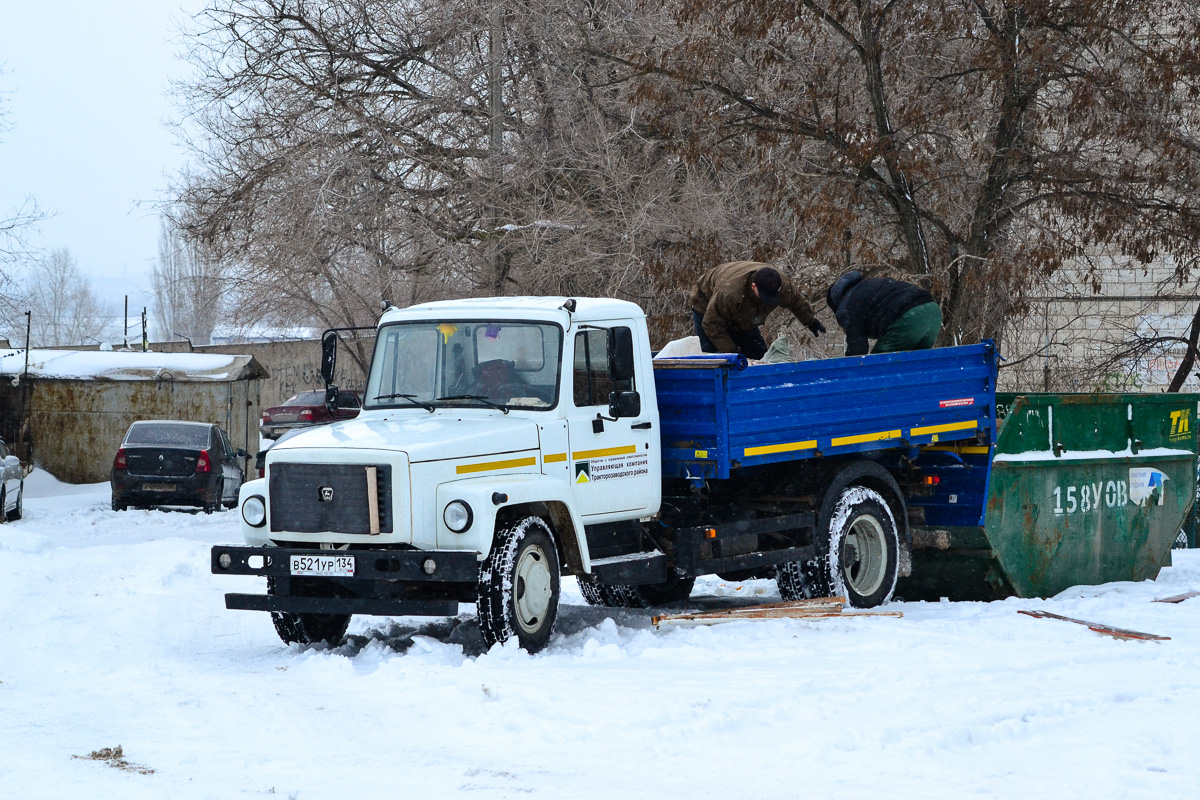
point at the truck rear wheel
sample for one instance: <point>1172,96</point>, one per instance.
<point>861,559</point>
<point>518,589</point>
<point>620,595</point>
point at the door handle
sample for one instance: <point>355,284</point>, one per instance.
<point>640,426</point>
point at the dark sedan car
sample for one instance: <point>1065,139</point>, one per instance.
<point>306,409</point>
<point>168,463</point>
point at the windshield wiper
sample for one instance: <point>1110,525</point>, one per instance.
<point>478,397</point>
<point>412,398</point>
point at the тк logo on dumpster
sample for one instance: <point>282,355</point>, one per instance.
<point>1181,424</point>
<point>325,494</point>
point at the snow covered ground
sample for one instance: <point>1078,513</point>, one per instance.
<point>114,633</point>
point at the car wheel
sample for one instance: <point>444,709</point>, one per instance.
<point>3,506</point>
<point>213,503</point>
<point>117,505</point>
<point>19,509</point>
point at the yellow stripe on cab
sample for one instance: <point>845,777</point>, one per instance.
<point>488,466</point>
<point>608,451</point>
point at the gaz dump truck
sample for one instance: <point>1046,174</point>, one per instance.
<point>506,442</point>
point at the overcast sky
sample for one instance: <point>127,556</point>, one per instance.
<point>85,85</point>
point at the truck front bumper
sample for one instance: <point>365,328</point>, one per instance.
<point>385,582</point>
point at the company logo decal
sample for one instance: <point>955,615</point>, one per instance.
<point>1181,425</point>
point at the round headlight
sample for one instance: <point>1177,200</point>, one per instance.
<point>254,511</point>
<point>458,516</point>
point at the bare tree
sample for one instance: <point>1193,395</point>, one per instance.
<point>976,145</point>
<point>359,150</point>
<point>188,287</point>
<point>15,227</point>
<point>64,310</point>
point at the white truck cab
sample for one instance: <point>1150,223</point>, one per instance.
<point>477,415</point>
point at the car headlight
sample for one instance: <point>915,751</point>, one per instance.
<point>457,516</point>
<point>254,511</point>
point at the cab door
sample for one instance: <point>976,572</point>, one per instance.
<point>613,464</point>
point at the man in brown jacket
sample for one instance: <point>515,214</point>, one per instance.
<point>732,299</point>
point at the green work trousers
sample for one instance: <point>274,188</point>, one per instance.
<point>915,329</point>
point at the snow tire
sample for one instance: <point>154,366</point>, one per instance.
<point>309,628</point>
<point>518,590</point>
<point>860,560</point>
<point>650,595</point>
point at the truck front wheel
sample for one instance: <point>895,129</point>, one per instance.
<point>861,559</point>
<point>308,628</point>
<point>518,589</point>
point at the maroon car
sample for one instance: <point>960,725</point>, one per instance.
<point>305,410</point>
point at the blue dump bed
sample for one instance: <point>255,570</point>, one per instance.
<point>718,414</point>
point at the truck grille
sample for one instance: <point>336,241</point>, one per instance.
<point>299,492</point>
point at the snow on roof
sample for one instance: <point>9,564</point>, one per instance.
<point>117,365</point>
<point>483,307</point>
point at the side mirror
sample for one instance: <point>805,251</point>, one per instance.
<point>331,398</point>
<point>12,461</point>
<point>241,453</point>
<point>329,348</point>
<point>620,353</point>
<point>624,404</point>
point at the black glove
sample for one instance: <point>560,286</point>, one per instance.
<point>816,327</point>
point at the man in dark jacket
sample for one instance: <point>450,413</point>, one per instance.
<point>899,315</point>
<point>732,299</point>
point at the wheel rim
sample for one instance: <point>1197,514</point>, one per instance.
<point>864,555</point>
<point>532,589</point>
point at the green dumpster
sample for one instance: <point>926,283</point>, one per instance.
<point>1081,489</point>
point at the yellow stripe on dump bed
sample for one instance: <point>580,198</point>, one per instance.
<point>554,458</point>
<point>608,451</point>
<point>787,447</point>
<point>969,425</point>
<point>970,450</point>
<point>487,466</point>
<point>866,437</point>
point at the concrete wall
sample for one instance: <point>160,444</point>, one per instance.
<point>76,426</point>
<point>1071,331</point>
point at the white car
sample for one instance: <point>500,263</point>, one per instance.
<point>12,491</point>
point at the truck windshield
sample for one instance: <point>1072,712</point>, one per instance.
<point>455,363</point>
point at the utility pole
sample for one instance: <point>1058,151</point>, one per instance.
<point>126,322</point>
<point>496,138</point>
<point>28,328</point>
